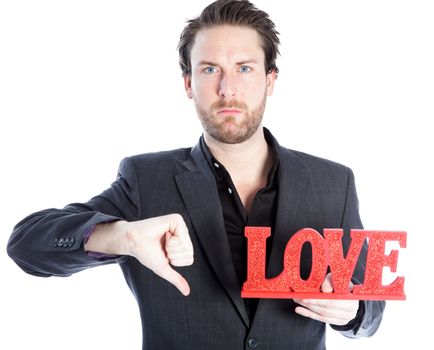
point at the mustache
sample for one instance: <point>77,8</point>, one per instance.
<point>229,104</point>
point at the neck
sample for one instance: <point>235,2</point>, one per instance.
<point>248,161</point>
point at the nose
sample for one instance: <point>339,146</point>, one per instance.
<point>227,88</point>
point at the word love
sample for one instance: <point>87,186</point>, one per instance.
<point>327,251</point>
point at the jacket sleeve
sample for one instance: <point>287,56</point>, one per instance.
<point>50,242</point>
<point>370,312</point>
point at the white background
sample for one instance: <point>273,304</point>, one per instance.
<point>85,83</point>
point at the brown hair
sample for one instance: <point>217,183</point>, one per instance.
<point>231,12</point>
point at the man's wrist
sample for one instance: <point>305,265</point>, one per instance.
<point>355,323</point>
<point>109,239</point>
<point>124,236</point>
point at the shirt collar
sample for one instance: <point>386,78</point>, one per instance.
<point>215,164</point>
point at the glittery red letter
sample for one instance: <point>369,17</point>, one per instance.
<point>256,247</point>
<point>292,261</point>
<point>342,268</point>
<point>375,262</point>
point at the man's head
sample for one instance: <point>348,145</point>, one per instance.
<point>228,59</point>
<point>235,13</point>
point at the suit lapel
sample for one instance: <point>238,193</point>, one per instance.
<point>199,192</point>
<point>293,187</point>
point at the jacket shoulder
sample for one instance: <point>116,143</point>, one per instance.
<point>180,154</point>
<point>163,160</point>
<point>314,163</point>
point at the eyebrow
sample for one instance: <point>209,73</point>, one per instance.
<point>240,63</point>
<point>251,60</point>
<point>207,63</point>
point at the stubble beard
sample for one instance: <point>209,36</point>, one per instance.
<point>226,129</point>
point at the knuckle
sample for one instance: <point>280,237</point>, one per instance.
<point>177,217</point>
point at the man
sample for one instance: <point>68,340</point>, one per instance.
<point>165,206</point>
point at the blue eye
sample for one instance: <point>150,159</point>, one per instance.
<point>245,69</point>
<point>210,70</point>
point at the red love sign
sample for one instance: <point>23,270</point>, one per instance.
<point>327,252</point>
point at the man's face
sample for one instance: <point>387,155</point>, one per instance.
<point>228,82</point>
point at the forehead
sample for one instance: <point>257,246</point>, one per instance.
<point>227,43</point>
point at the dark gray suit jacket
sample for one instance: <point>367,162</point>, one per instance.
<point>313,193</point>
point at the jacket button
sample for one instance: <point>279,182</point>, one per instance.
<point>60,242</point>
<point>55,242</point>
<point>71,242</point>
<point>253,343</point>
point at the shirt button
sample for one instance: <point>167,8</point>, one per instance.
<point>216,165</point>
<point>230,190</point>
<point>253,343</point>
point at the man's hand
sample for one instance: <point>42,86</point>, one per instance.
<point>160,242</point>
<point>157,243</point>
<point>336,312</point>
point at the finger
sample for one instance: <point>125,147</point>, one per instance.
<point>178,228</point>
<point>324,309</point>
<point>319,317</point>
<point>175,278</point>
<point>326,304</point>
<point>180,258</point>
<point>177,244</point>
<point>337,312</point>
<point>175,241</point>
<point>327,285</point>
<point>350,286</point>
<point>178,250</point>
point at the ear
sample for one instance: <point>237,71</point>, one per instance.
<point>271,78</point>
<point>187,86</point>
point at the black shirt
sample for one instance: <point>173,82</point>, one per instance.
<point>262,212</point>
